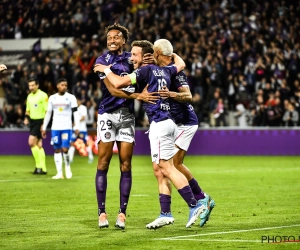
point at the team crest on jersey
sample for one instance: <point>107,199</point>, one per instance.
<point>107,57</point>
<point>107,135</point>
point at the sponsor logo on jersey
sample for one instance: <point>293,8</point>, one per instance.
<point>126,134</point>
<point>129,89</point>
<point>164,106</point>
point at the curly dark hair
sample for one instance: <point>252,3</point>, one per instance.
<point>119,27</point>
<point>147,47</point>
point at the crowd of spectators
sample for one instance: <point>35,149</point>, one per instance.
<point>242,57</point>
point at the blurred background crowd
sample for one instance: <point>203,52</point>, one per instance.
<point>242,57</point>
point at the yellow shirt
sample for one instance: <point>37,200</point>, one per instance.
<point>37,104</point>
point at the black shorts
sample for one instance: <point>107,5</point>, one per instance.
<point>35,127</point>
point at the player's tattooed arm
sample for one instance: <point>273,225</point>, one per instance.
<point>179,63</point>
<point>184,95</point>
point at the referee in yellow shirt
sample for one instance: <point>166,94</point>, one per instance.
<point>36,107</point>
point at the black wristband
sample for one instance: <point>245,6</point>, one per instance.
<point>27,116</point>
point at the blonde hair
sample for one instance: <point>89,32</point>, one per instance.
<point>164,46</point>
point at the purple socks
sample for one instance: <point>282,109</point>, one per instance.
<point>125,188</point>
<point>198,193</point>
<point>101,186</point>
<point>165,203</point>
<point>187,194</point>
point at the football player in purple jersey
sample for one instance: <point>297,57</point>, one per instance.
<point>162,127</point>
<point>116,123</point>
<point>187,125</point>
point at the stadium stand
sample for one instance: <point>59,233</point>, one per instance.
<point>242,56</point>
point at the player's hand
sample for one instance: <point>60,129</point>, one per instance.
<point>145,96</point>
<point>44,134</point>
<point>2,67</point>
<point>164,92</point>
<point>148,58</point>
<point>100,67</point>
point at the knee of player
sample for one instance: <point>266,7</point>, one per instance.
<point>165,172</point>
<point>158,174</point>
<point>102,165</point>
<point>125,166</point>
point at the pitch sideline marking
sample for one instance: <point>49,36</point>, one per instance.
<point>212,240</point>
<point>45,177</point>
<point>228,232</point>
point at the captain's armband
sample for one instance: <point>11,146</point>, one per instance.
<point>132,77</point>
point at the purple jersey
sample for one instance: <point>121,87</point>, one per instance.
<point>182,113</point>
<point>156,77</point>
<point>120,66</point>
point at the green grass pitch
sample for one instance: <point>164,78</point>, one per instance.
<point>255,197</point>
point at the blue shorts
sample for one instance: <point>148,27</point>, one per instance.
<point>61,138</point>
<point>83,135</point>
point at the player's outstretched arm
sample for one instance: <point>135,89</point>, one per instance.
<point>2,67</point>
<point>179,63</point>
<point>117,92</point>
<point>116,80</point>
<point>184,95</point>
<point>145,96</point>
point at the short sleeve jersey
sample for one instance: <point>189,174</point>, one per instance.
<point>82,110</point>
<point>182,113</point>
<point>120,66</point>
<point>36,104</point>
<point>62,105</point>
<point>156,77</point>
